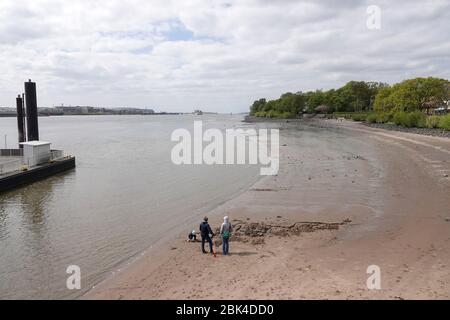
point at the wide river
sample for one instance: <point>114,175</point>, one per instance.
<point>124,196</point>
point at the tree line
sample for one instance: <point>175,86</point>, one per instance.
<point>358,96</point>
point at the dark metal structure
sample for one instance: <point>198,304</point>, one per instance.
<point>32,112</point>
<point>21,120</point>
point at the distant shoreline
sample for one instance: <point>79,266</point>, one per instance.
<point>13,115</point>
<point>100,114</point>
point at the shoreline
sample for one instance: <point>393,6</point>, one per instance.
<point>362,182</point>
<point>435,132</point>
<point>161,246</point>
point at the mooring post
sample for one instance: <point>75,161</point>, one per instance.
<point>32,112</point>
<point>20,120</point>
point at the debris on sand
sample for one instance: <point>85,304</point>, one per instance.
<point>254,232</point>
<point>257,241</point>
<point>351,156</point>
<point>262,189</point>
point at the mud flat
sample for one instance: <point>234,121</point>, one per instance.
<point>346,197</point>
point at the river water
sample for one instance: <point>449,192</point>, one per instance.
<point>124,196</point>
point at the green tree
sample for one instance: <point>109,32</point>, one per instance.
<point>383,100</point>
<point>356,96</point>
<point>314,99</point>
<point>257,106</point>
<point>412,94</point>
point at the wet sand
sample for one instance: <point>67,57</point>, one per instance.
<point>381,197</point>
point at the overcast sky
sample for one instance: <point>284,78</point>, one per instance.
<point>212,55</point>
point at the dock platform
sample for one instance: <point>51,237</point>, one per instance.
<point>16,179</point>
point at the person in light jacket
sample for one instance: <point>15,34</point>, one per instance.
<point>225,232</point>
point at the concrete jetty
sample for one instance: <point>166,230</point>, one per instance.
<point>34,159</point>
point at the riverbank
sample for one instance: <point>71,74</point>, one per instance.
<point>338,205</point>
<point>423,131</point>
<point>436,132</point>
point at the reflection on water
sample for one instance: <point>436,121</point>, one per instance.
<point>24,229</point>
<point>124,196</point>
<point>3,214</point>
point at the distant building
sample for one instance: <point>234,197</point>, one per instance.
<point>74,109</point>
<point>7,112</point>
<point>82,110</point>
<point>128,110</point>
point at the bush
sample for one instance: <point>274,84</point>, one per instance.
<point>400,118</point>
<point>274,114</point>
<point>359,117</point>
<point>356,116</point>
<point>382,117</point>
<point>415,119</point>
<point>283,115</point>
<point>270,114</point>
<point>444,123</point>
<point>371,118</point>
<point>433,122</point>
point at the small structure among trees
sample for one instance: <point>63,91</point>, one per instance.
<point>322,109</point>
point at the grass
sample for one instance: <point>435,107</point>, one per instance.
<point>355,116</point>
<point>399,118</point>
<point>383,117</point>
<point>418,119</point>
<point>433,122</point>
<point>445,122</point>
<point>414,119</point>
<point>372,118</point>
<point>274,114</point>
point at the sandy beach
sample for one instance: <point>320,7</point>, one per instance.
<point>347,196</point>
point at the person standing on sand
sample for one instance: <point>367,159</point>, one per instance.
<point>206,233</point>
<point>225,232</point>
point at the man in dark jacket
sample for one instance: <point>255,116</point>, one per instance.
<point>205,232</point>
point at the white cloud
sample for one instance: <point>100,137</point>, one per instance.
<point>216,55</point>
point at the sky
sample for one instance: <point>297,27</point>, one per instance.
<point>217,56</point>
